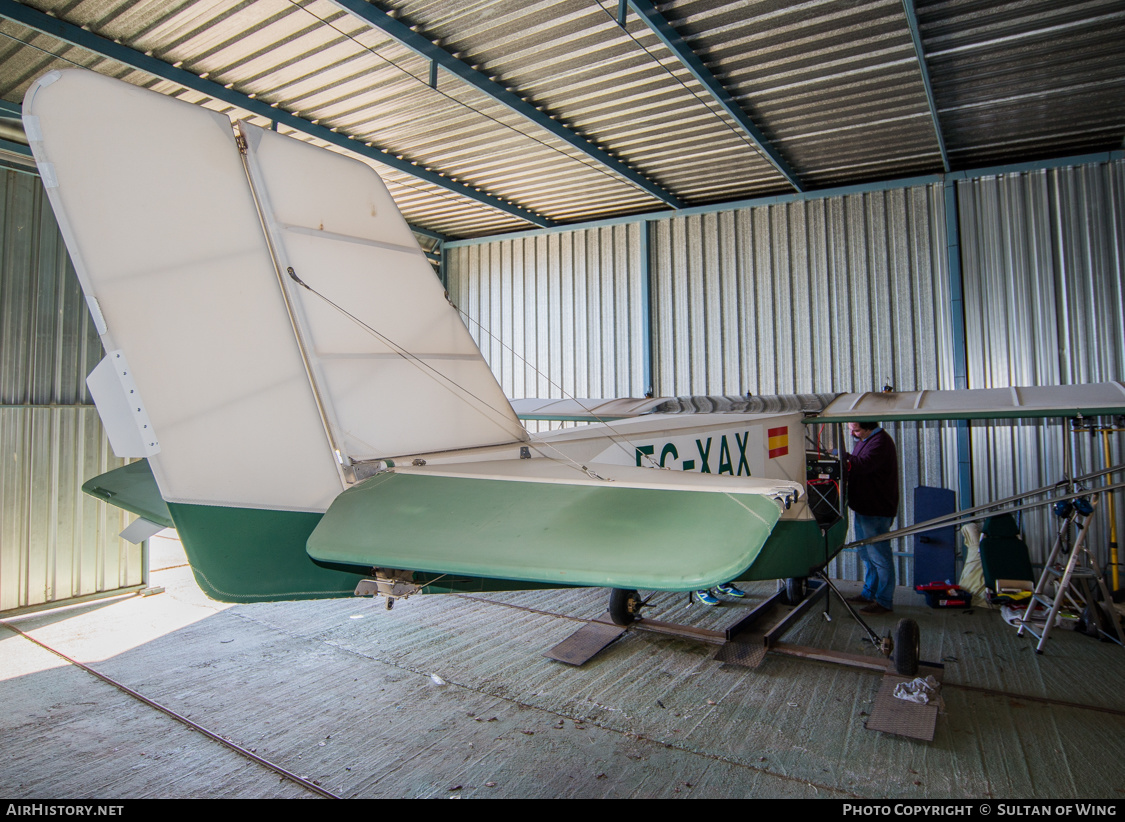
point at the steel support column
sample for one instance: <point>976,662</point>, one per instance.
<point>646,306</point>
<point>960,348</point>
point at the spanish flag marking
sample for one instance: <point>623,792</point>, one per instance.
<point>778,442</point>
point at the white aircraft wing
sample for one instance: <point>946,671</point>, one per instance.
<point>1089,400</point>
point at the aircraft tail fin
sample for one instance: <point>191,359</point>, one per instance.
<point>278,320</point>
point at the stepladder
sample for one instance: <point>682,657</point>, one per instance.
<point>1071,579</point>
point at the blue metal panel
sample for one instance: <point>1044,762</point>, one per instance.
<point>671,38</point>
<point>934,551</point>
<point>422,45</point>
<point>107,48</point>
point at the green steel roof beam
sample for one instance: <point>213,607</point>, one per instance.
<point>429,232</point>
<point>668,35</point>
<point>423,46</point>
<point>916,36</point>
<point>104,47</point>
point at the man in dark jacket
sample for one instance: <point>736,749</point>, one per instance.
<point>873,498</point>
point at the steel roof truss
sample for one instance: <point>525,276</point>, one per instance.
<point>423,46</point>
<point>76,36</point>
<point>916,36</point>
<point>668,35</point>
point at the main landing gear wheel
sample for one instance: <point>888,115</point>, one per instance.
<point>623,606</point>
<point>795,590</point>
<point>905,648</point>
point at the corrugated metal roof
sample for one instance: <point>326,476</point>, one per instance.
<point>1027,79</point>
<point>834,86</point>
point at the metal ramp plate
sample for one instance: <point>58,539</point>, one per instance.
<point>586,643</point>
<point>748,650</point>
<point>902,718</point>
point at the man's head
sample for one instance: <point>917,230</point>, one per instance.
<point>862,430</point>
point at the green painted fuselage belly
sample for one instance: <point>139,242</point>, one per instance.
<point>256,555</point>
<point>600,534</point>
<point>252,555</point>
<point>796,548</point>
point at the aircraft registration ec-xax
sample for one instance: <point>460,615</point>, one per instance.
<point>314,416</point>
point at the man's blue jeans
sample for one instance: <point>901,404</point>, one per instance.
<point>879,564</point>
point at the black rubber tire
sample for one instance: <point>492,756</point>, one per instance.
<point>795,590</point>
<point>906,647</point>
<point>623,606</point>
<point>1096,620</point>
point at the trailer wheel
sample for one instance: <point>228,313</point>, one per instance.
<point>623,606</point>
<point>906,647</point>
<point>795,590</point>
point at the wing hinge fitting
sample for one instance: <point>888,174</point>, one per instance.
<point>390,583</point>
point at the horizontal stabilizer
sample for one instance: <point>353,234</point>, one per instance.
<point>563,472</point>
<point>132,488</point>
<point>583,409</point>
<point>576,409</point>
<point>545,521</point>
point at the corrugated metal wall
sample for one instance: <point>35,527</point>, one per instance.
<point>841,294</point>
<point>1043,256</point>
<point>55,542</point>
<point>836,294</point>
<point>558,314</point>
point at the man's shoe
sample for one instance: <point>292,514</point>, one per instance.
<point>875,609</point>
<point>707,598</point>
<point>860,599</point>
<point>730,591</point>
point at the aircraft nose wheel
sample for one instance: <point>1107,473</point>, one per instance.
<point>624,606</point>
<point>903,647</point>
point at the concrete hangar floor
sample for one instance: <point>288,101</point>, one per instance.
<point>451,696</point>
